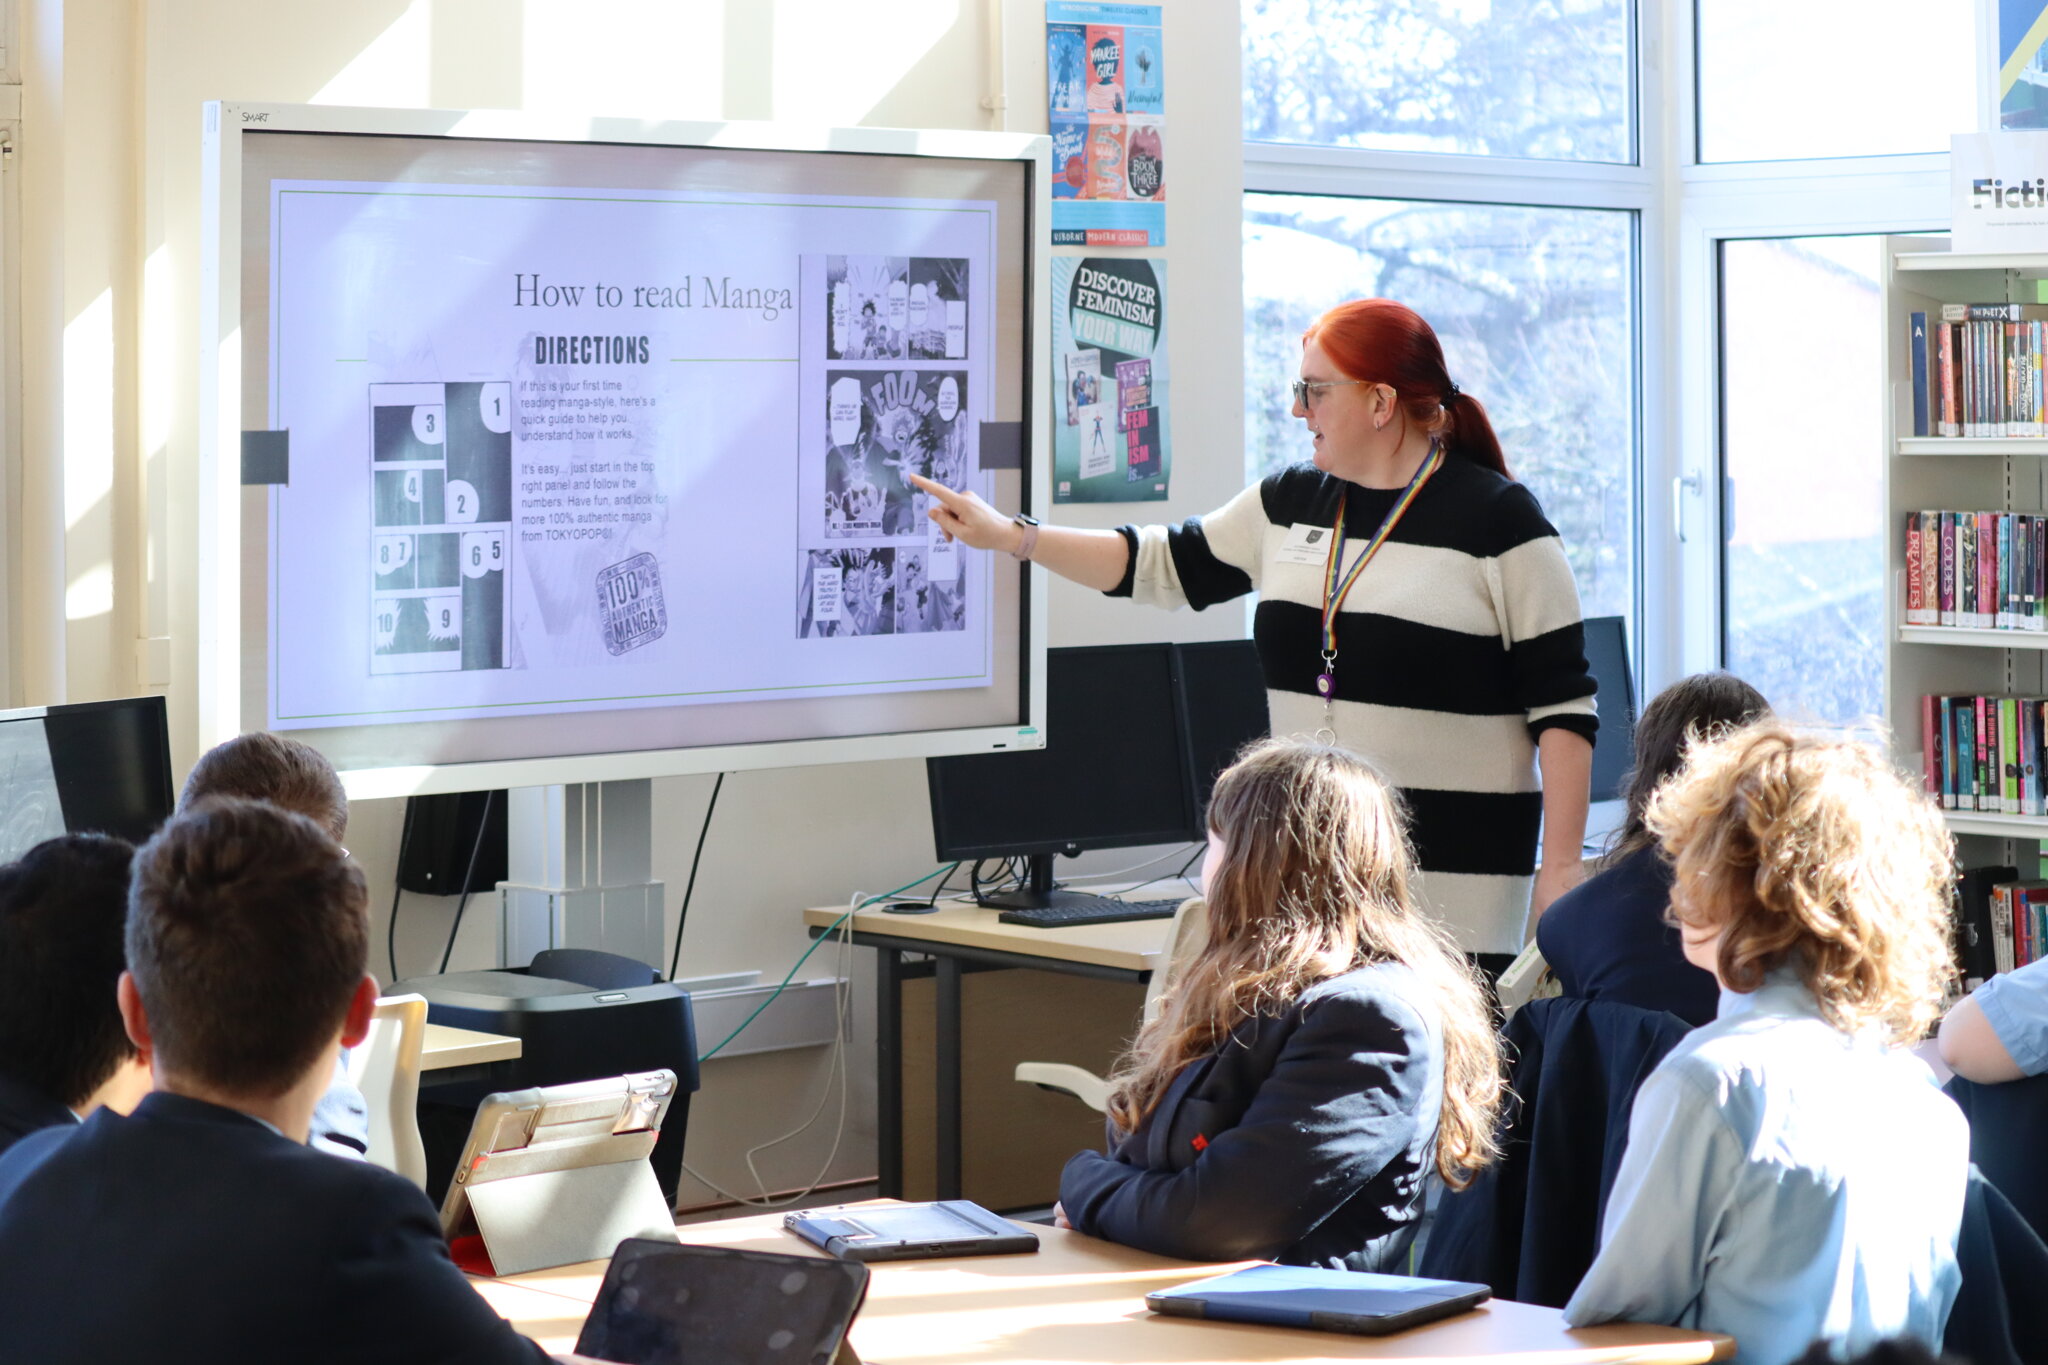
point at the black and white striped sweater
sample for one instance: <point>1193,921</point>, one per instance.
<point>1459,644</point>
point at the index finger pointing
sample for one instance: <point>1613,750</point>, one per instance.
<point>937,490</point>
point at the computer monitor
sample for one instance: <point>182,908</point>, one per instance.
<point>1223,698</point>
<point>1615,752</point>
<point>1114,772</point>
<point>102,766</point>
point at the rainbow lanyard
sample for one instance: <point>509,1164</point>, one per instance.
<point>1335,592</point>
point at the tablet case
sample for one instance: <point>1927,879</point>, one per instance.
<point>908,1232</point>
<point>1321,1299</point>
<point>661,1303</point>
<point>559,1175</point>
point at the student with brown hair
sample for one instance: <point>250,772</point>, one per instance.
<point>201,1227</point>
<point>1793,1173</point>
<point>1609,938</point>
<point>292,776</point>
<point>63,1052</point>
<point>1325,1050</point>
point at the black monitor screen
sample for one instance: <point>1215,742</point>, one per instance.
<point>1615,751</point>
<point>1223,697</point>
<point>95,766</point>
<point>1112,775</point>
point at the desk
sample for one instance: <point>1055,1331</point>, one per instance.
<point>1080,1301</point>
<point>960,936</point>
<point>464,1052</point>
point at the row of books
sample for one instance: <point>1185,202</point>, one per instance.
<point>2019,924</point>
<point>1987,570</point>
<point>1977,370</point>
<point>1984,753</point>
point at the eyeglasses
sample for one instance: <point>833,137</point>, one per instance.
<point>1305,390</point>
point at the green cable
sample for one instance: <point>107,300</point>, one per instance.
<point>830,929</point>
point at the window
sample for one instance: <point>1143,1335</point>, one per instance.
<point>1546,79</point>
<point>1833,78</point>
<point>1534,309</point>
<point>1803,510</point>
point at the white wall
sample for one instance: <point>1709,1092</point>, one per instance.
<point>110,270</point>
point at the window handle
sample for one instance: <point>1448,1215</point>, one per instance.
<point>1680,485</point>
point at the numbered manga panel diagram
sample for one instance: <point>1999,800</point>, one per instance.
<point>441,525</point>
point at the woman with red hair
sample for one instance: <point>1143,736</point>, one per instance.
<point>1414,606</point>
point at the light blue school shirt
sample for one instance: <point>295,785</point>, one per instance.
<point>1784,1182</point>
<point>2015,1004</point>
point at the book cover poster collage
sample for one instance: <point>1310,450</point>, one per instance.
<point>1110,379</point>
<point>1105,74</point>
<point>889,374</point>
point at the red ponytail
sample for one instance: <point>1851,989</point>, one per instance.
<point>1389,343</point>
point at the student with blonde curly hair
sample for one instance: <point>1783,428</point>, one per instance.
<point>1325,1049</point>
<point>1793,1174</point>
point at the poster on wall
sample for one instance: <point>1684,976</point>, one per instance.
<point>1110,391</point>
<point>1105,77</point>
<point>2022,64</point>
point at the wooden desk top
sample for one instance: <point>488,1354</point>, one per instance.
<point>1079,1301</point>
<point>1133,945</point>
<point>446,1046</point>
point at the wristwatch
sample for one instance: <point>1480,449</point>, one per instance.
<point>1030,540</point>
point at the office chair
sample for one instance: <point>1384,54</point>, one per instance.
<point>1184,938</point>
<point>386,1068</point>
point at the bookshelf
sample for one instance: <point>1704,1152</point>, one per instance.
<point>1960,473</point>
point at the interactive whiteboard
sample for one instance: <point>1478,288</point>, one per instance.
<point>578,457</point>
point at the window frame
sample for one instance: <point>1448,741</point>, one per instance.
<point>1632,187</point>
<point>1684,210</point>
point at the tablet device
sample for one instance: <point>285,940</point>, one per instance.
<point>664,1304</point>
<point>1325,1300</point>
<point>909,1232</point>
<point>560,1174</point>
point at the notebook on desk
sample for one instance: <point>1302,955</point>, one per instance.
<point>1320,1299</point>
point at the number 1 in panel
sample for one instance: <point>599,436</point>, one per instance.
<point>440,525</point>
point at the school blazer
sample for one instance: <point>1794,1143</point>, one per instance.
<point>189,1232</point>
<point>1304,1138</point>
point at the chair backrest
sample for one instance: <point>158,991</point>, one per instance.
<point>592,967</point>
<point>2006,1124</point>
<point>1529,1225</point>
<point>1184,938</point>
<point>386,1068</point>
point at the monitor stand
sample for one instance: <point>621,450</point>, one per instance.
<point>1037,892</point>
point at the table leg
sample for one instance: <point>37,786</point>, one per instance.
<point>947,1081</point>
<point>889,1073</point>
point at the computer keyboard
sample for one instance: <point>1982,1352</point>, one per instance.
<point>1078,908</point>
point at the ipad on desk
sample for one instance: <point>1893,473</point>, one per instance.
<point>909,1232</point>
<point>560,1174</point>
<point>664,1304</point>
<point>1325,1300</point>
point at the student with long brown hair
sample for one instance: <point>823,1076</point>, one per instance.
<point>1324,1051</point>
<point>1415,606</point>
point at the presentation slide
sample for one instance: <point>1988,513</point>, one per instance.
<point>558,450</point>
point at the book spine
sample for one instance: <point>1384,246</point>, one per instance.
<point>2009,379</point>
<point>1930,752</point>
<point>1986,550</point>
<point>2001,930</point>
<point>1919,345</point>
<point>1981,754</point>
<point>1945,568</point>
<point>2009,755</point>
<point>1916,579</point>
<point>2028,750</point>
<point>2001,572</point>
<point>1945,747</point>
<point>1951,379</point>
